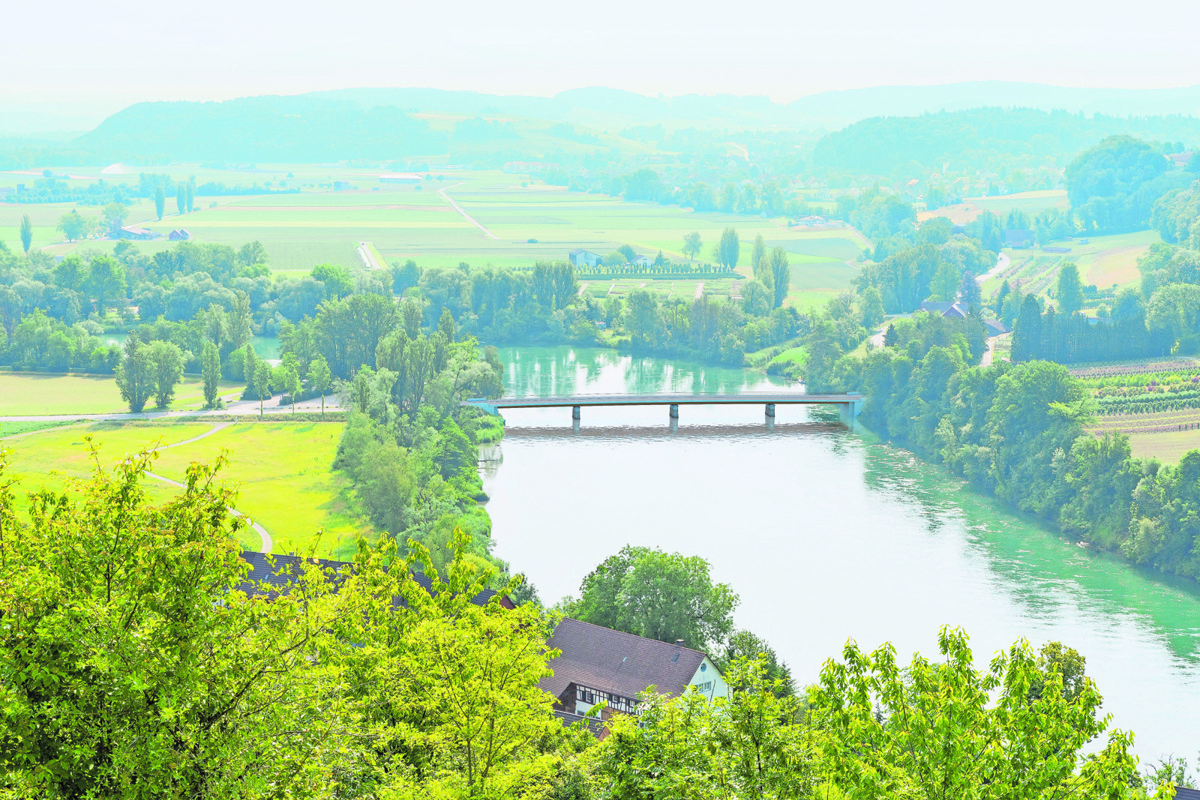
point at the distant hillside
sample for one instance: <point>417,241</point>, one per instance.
<point>271,129</point>
<point>377,124</point>
<point>850,105</point>
<point>975,138</point>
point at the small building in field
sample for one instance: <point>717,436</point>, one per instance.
<point>179,235</point>
<point>585,258</point>
<point>134,232</point>
<point>1184,793</point>
<point>341,186</point>
<point>600,665</point>
<point>400,177</point>
<point>643,261</point>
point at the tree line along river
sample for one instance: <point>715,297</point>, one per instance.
<point>826,534</point>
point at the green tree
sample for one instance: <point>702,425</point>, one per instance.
<point>75,226</point>
<point>946,282</point>
<point>106,281</point>
<point>751,744</point>
<point>449,688</point>
<point>166,365</point>
<point>190,196</point>
<point>114,215</point>
<point>871,307</point>
<point>262,382</point>
<point>692,245</point>
<point>446,325</point>
<point>250,361</point>
<point>337,280</point>
<point>287,380</point>
<point>664,596</point>
<point>727,250</point>
<point>745,646</point>
<point>758,254</point>
<point>1069,288</point>
<point>945,729</point>
<point>781,274</point>
<point>133,666</point>
<point>210,370</point>
<point>252,253</point>
<point>180,199</point>
<point>135,375</point>
<point>160,201</point>
<point>26,232</point>
<point>320,378</point>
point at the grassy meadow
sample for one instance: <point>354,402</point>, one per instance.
<point>43,394</point>
<point>282,471</point>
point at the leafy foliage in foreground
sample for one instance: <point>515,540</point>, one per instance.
<point>134,663</point>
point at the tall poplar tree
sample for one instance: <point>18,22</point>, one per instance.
<point>160,201</point>
<point>210,370</point>
<point>181,199</point>
<point>26,232</point>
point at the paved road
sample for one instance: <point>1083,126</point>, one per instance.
<point>1002,263</point>
<point>239,408</point>
<point>466,216</point>
<point>368,257</point>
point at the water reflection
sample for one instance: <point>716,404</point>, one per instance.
<point>825,534</point>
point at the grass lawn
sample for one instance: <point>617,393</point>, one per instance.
<point>1029,202</point>
<point>795,355</point>
<point>1111,260</point>
<point>36,393</point>
<point>282,471</point>
<point>1166,447</point>
<point>285,479</point>
<point>48,458</point>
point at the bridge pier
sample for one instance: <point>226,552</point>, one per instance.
<point>575,413</point>
<point>770,411</point>
<point>674,411</point>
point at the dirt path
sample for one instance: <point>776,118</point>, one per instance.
<point>465,215</point>
<point>262,532</point>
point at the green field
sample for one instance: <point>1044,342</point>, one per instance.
<point>283,472</point>
<point>1104,261</point>
<point>523,220</point>
<point>34,393</point>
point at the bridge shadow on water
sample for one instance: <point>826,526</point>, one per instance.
<point>662,432</point>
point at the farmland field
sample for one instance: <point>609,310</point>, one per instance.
<point>283,472</point>
<point>513,221</point>
<point>1104,261</point>
<point>1029,202</point>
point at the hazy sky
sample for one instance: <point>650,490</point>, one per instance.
<point>81,60</point>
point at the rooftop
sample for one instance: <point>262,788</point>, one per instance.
<point>617,662</point>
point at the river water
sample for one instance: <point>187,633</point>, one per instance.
<point>826,534</point>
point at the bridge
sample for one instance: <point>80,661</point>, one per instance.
<point>848,405</point>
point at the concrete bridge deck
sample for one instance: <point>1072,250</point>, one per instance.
<point>848,404</point>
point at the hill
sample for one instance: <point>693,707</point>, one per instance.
<point>379,124</point>
<point>981,138</point>
<point>302,128</point>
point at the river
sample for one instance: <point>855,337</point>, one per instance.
<point>826,534</point>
